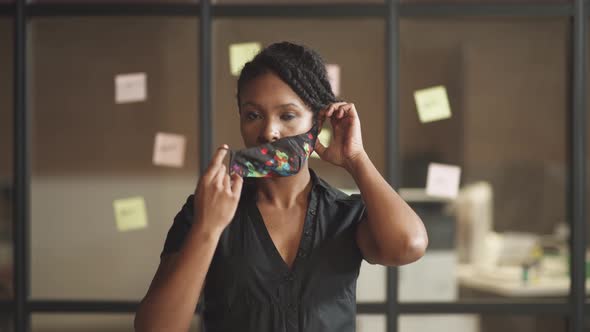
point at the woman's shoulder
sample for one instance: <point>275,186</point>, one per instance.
<point>335,193</point>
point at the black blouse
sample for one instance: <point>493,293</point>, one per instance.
<point>249,287</point>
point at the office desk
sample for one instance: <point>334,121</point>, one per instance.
<point>496,284</point>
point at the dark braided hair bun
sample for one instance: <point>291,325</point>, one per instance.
<point>302,68</point>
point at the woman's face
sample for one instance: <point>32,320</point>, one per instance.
<point>270,109</point>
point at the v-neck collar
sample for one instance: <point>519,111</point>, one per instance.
<point>305,241</point>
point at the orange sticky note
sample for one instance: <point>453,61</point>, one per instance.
<point>169,150</point>
<point>130,88</point>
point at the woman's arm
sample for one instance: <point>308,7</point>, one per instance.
<point>391,233</point>
<point>170,302</point>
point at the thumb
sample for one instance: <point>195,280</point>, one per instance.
<point>319,148</point>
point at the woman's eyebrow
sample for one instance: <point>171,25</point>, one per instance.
<point>288,105</point>
<point>249,103</point>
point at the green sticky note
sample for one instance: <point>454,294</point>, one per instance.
<point>130,213</point>
<point>241,53</point>
<point>432,104</point>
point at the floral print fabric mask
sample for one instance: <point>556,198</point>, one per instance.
<point>283,157</point>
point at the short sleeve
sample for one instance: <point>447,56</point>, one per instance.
<point>180,228</point>
<point>358,207</point>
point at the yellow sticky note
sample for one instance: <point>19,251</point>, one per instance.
<point>241,53</point>
<point>130,213</point>
<point>432,104</point>
<point>325,138</point>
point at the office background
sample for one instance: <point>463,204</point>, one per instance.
<point>515,74</point>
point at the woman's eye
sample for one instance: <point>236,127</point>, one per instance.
<point>288,117</point>
<point>251,116</point>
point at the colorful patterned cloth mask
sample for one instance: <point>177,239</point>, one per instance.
<point>283,157</point>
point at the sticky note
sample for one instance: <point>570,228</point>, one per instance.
<point>130,213</point>
<point>241,53</point>
<point>130,88</point>
<point>443,180</point>
<point>325,137</point>
<point>334,77</point>
<point>169,150</point>
<point>432,104</point>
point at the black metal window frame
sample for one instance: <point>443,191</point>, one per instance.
<point>391,11</point>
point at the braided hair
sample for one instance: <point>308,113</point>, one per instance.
<point>302,68</point>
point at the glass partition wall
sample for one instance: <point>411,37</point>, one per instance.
<point>104,90</point>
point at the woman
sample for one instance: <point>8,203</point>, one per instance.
<point>280,251</point>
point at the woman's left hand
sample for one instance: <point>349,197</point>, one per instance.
<point>347,141</point>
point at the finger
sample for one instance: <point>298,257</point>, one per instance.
<point>219,176</point>
<point>319,148</point>
<point>237,183</point>
<point>352,111</point>
<point>333,107</point>
<point>217,160</point>
<point>343,110</point>
<point>320,123</point>
<point>227,183</point>
<point>339,113</point>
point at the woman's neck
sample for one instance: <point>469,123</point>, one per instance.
<point>285,191</point>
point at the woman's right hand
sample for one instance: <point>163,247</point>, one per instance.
<point>217,195</point>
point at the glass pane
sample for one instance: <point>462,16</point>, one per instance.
<point>90,323</point>
<point>371,323</point>
<point>295,2</point>
<point>372,283</point>
<point>481,323</point>
<point>113,1</point>
<point>485,1</point>
<point>94,133</point>
<point>505,81</point>
<point>362,82</point>
<point>6,156</point>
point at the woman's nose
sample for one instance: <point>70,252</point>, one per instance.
<point>269,133</point>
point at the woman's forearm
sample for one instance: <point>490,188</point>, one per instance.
<point>170,303</point>
<point>397,230</point>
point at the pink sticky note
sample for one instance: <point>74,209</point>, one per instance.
<point>130,88</point>
<point>169,150</point>
<point>334,77</point>
<point>443,180</point>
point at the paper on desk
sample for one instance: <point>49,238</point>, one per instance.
<point>325,137</point>
<point>130,88</point>
<point>130,213</point>
<point>240,54</point>
<point>432,104</point>
<point>169,150</point>
<point>443,180</point>
<point>334,77</point>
